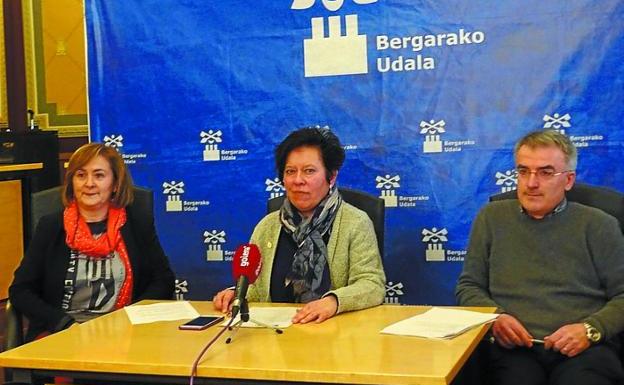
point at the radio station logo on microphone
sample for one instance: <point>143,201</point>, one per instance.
<point>211,140</point>
<point>244,262</point>
<point>335,46</point>
<point>116,141</point>
<point>561,122</point>
<point>181,288</point>
<point>394,292</point>
<point>435,252</point>
<point>508,180</point>
<point>274,187</point>
<point>173,191</point>
<point>387,185</point>
<point>433,143</point>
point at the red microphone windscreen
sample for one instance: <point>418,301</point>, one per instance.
<point>247,262</point>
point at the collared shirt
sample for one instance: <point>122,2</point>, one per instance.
<point>559,208</point>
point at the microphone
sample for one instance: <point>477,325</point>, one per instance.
<point>245,269</point>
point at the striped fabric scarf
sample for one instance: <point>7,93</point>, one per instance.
<point>311,256</point>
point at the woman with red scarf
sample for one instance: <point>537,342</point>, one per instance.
<point>95,256</point>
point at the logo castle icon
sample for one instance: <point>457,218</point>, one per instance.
<point>337,53</point>
<point>432,131</point>
<point>214,240</point>
<point>387,185</point>
<point>434,238</point>
<point>173,191</point>
<point>557,122</point>
<point>393,292</point>
<point>211,139</point>
<point>275,187</point>
<point>181,288</point>
<point>114,141</point>
<point>507,180</point>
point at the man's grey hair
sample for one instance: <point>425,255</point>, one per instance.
<point>550,138</point>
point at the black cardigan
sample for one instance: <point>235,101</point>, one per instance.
<point>37,287</point>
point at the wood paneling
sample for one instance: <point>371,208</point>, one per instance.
<point>11,232</point>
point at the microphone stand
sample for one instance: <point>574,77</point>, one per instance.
<point>244,317</point>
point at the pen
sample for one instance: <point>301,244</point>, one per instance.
<point>534,340</point>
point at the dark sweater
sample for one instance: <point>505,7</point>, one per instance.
<point>563,269</point>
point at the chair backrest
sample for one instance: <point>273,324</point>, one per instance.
<point>370,204</point>
<point>49,201</point>
<point>608,200</point>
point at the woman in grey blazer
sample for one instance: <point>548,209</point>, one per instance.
<point>317,249</point>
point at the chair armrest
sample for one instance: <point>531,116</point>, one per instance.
<point>15,331</point>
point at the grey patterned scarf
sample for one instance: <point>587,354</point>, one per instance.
<point>311,256</point>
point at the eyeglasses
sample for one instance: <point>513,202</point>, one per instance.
<point>540,173</point>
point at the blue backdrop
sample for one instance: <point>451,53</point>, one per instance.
<point>428,98</point>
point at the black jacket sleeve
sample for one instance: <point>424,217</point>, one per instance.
<point>36,290</point>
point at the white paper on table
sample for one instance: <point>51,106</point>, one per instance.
<point>439,323</point>
<point>165,311</point>
<point>278,317</point>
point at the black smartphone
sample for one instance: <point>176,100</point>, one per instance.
<point>201,322</point>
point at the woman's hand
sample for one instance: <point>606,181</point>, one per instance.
<point>317,311</point>
<point>223,300</point>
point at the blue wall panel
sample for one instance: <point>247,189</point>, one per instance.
<point>427,96</point>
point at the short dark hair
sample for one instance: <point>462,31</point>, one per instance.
<point>122,181</point>
<point>323,138</point>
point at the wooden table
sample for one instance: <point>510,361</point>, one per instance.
<point>346,349</point>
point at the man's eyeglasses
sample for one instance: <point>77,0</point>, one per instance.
<point>540,173</point>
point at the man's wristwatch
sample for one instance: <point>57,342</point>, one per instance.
<point>593,334</point>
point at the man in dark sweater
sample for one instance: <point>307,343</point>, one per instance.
<point>555,271</point>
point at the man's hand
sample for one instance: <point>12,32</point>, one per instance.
<point>223,300</point>
<point>510,333</point>
<point>569,340</point>
<point>317,311</point>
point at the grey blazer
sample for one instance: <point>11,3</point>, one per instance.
<point>356,272</point>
